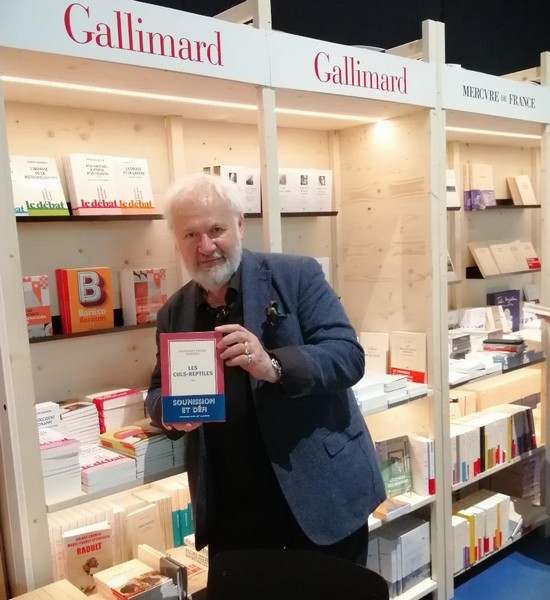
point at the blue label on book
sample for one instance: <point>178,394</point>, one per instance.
<point>189,409</point>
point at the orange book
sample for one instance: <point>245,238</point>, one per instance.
<point>85,298</point>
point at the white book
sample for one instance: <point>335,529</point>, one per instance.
<point>461,546</point>
<point>453,199</point>
<point>484,258</point>
<point>143,526</point>
<point>414,546</point>
<point>529,256</point>
<point>247,180</point>
<point>422,458</point>
<point>376,345</point>
<point>92,184</point>
<point>133,185</point>
<point>48,415</point>
<point>37,189</point>
<point>321,190</point>
<point>408,355</point>
<point>59,590</point>
<point>482,187</point>
<point>507,257</point>
<point>525,190</point>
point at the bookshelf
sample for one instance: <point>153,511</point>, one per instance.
<point>387,237</point>
<point>514,141</point>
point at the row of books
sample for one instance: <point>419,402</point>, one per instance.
<point>143,516</point>
<point>400,552</point>
<point>86,299</point>
<point>396,353</point>
<point>501,257</point>
<point>481,526</point>
<point>483,440</point>
<point>479,187</point>
<point>97,185</point>
<point>300,190</point>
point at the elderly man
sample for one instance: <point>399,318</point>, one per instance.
<point>293,465</point>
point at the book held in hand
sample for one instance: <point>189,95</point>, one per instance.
<point>37,190</point>
<point>85,298</point>
<point>36,293</point>
<point>192,377</point>
<point>143,293</point>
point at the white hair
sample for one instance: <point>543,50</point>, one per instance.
<point>202,184</point>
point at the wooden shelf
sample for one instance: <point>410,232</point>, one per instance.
<point>88,218</point>
<point>58,335</point>
<point>497,373</point>
<point>473,272</point>
<point>504,203</point>
<point>453,208</point>
<point>324,213</point>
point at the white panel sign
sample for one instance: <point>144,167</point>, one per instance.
<point>305,64</point>
<point>470,91</point>
<point>138,34</point>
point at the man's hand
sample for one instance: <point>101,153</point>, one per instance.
<point>185,427</point>
<point>240,348</point>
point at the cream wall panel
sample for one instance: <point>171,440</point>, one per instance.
<point>385,225</point>
<point>67,368</point>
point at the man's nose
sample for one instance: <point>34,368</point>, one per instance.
<point>206,244</point>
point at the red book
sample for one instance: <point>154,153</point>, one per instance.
<point>192,377</point>
<point>85,298</point>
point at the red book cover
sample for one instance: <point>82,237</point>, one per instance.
<point>85,298</point>
<point>37,305</point>
<point>192,377</point>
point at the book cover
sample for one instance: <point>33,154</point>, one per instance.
<point>514,191</point>
<point>408,355</point>
<point>510,302</point>
<point>529,256</point>
<point>37,189</point>
<point>394,457</point>
<point>92,184</point>
<point>192,377</point>
<point>482,187</point>
<point>133,579</point>
<point>247,180</point>
<point>36,293</point>
<point>321,191</point>
<point>128,438</point>
<point>509,257</point>
<point>102,468</point>
<point>48,414</point>
<point>85,298</point>
<point>453,200</point>
<point>133,186</point>
<point>144,526</point>
<point>484,258</point>
<point>87,550</point>
<point>143,293</point>
<point>376,346</point>
<point>525,190</point>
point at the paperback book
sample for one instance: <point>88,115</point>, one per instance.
<point>192,377</point>
<point>247,180</point>
<point>143,293</point>
<point>133,186</point>
<point>85,298</point>
<point>36,293</point>
<point>117,408</point>
<point>37,189</point>
<point>87,550</point>
<point>510,302</point>
<point>102,468</point>
<point>79,419</point>
<point>394,457</point>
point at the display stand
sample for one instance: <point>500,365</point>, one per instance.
<point>502,122</point>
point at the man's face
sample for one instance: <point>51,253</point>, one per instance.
<point>209,239</point>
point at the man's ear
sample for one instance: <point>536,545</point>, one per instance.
<point>240,225</point>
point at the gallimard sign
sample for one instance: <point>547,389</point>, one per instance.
<point>306,64</point>
<point>139,34</point>
<point>470,91</point>
<point>192,377</point>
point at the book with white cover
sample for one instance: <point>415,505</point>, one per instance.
<point>144,526</point>
<point>484,258</point>
<point>37,189</point>
<point>376,345</point>
<point>529,255</point>
<point>525,190</point>
<point>422,456</point>
<point>48,415</point>
<point>86,551</point>
<point>453,200</point>
<point>321,191</point>
<point>508,257</point>
<point>92,184</point>
<point>536,309</point>
<point>247,180</point>
<point>482,187</point>
<point>408,355</point>
<point>79,419</point>
<point>133,185</point>
<point>102,468</point>
<point>59,590</point>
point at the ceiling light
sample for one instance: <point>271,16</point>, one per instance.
<point>180,99</point>
<point>530,136</point>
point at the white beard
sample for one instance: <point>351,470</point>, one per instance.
<point>218,275</point>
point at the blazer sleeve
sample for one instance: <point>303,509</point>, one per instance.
<point>328,358</point>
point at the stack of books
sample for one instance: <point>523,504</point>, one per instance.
<point>149,446</point>
<point>60,466</point>
<point>79,420</point>
<point>509,351</point>
<point>48,415</point>
<point>117,408</point>
<point>103,469</point>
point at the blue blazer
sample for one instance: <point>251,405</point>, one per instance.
<point>314,433</point>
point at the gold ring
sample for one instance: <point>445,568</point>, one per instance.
<point>246,348</point>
